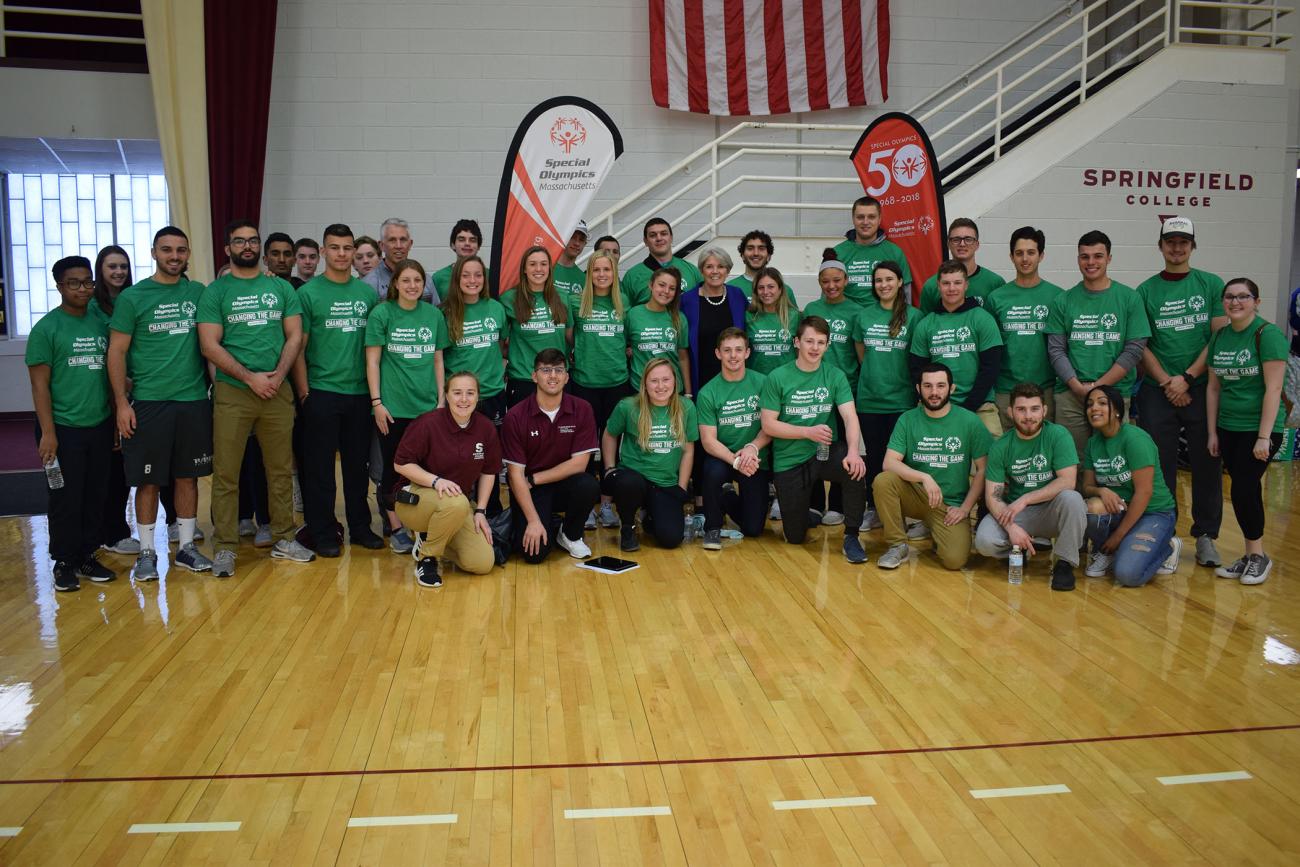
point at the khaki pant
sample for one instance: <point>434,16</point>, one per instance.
<point>988,413</point>
<point>1003,400</point>
<point>1070,415</point>
<point>897,500</point>
<point>447,524</point>
<point>237,412</point>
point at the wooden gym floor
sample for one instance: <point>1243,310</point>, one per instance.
<point>766,705</point>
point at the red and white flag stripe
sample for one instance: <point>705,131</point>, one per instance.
<point>760,57</point>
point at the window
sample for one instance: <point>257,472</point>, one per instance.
<point>52,216</point>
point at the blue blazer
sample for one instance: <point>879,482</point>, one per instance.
<point>690,307</point>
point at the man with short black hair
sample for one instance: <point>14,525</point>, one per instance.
<point>569,279</point>
<point>866,247</point>
<point>547,441</point>
<point>1020,309</point>
<point>963,243</point>
<point>306,256</point>
<point>658,237</point>
<point>277,256</point>
<point>756,250</point>
<point>466,240</point>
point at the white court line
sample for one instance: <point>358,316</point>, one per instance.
<point>382,821</point>
<point>10,832</point>
<point>181,827</point>
<point>820,803</point>
<point>1204,778</point>
<point>617,812</point>
<point>1020,791</point>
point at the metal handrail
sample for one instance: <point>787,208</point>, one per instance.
<point>67,12</point>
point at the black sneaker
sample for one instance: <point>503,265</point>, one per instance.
<point>1063,575</point>
<point>426,572</point>
<point>94,570</point>
<point>627,538</point>
<point>65,577</point>
<point>367,538</point>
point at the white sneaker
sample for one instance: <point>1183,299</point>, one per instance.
<point>1257,568</point>
<point>896,556</point>
<point>1170,566</point>
<point>577,548</point>
<point>918,531</point>
<point>871,521</point>
<point>1098,565</point>
<point>832,519</point>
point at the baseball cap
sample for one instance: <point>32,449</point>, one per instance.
<point>582,227</point>
<point>1177,227</point>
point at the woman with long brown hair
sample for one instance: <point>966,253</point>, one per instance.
<point>536,317</point>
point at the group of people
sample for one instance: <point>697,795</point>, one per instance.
<point>625,402</point>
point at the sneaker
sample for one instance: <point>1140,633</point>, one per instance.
<point>814,518</point>
<point>627,538</point>
<point>608,517</point>
<point>1233,570</point>
<point>426,572</point>
<point>1207,553</point>
<point>590,523</point>
<point>1170,566</point>
<point>1257,568</point>
<point>576,547</point>
<point>896,556</point>
<point>223,565</point>
<point>1098,565</point>
<point>129,545</point>
<point>174,533</point>
<point>146,565</point>
<point>832,519</point>
<point>289,549</point>
<point>918,531</point>
<point>400,541</point>
<point>192,558</point>
<point>775,514</point>
<point>367,538</point>
<point>263,538</point>
<point>65,577</point>
<point>1063,575</point>
<point>712,540</point>
<point>853,551</point>
<point>247,527</point>
<point>94,570</point>
<point>871,521</point>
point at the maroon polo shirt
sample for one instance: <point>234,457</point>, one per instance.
<point>530,439</point>
<point>436,443</point>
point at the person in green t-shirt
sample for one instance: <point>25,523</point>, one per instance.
<point>865,249</point>
<point>658,238</point>
<point>798,401</point>
<point>330,378</point>
<point>166,426</point>
<point>1131,513</point>
<point>735,446</point>
<point>569,278</point>
<point>65,362</point>
<point>770,322</point>
<point>250,330</point>
<point>1030,489</point>
<point>475,327</point>
<point>756,250</point>
<point>963,243</point>
<point>1096,334</point>
<point>1180,304</point>
<point>536,319</point>
<point>657,329</point>
<point>1247,362</point>
<point>647,442</point>
<point>1020,309</point>
<point>466,240</point>
<point>933,471</point>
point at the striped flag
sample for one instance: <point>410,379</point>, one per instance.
<point>759,57</point>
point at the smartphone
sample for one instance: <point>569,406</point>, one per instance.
<point>405,496</point>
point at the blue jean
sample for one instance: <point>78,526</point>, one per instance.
<point>1144,548</point>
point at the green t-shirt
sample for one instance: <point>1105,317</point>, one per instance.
<point>1179,313</point>
<point>944,447</point>
<point>860,260</point>
<point>652,335</point>
<point>1021,315</point>
<point>1237,360</point>
<point>334,321</point>
<point>661,458</point>
<point>599,343</point>
<point>442,280</point>
<point>479,348</point>
<point>804,399</point>
<point>746,285</point>
<point>1115,458</point>
<point>569,280</point>
<point>408,379</point>
<point>636,282</point>
<point>884,383</point>
<point>541,331</point>
<point>771,344</point>
<point>73,347</point>
<point>979,286</point>
<point>250,313</point>
<point>732,407</point>
<point>1025,465</point>
<point>1096,326</point>
<point>957,339</point>
<point>164,361</point>
<point>843,318</point>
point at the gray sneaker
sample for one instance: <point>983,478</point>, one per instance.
<point>918,531</point>
<point>1207,553</point>
<point>590,523</point>
<point>247,527</point>
<point>400,541</point>
<point>712,540</point>
<point>896,556</point>
<point>146,565</point>
<point>607,516</point>
<point>129,545</point>
<point>263,537</point>
<point>192,558</point>
<point>291,549</point>
<point>871,521</point>
<point>223,565</point>
<point>1257,568</point>
<point>1232,570</point>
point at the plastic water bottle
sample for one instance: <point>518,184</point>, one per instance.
<point>823,451</point>
<point>54,475</point>
<point>1016,566</point>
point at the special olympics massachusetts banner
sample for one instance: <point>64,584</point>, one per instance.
<point>896,164</point>
<point>560,155</point>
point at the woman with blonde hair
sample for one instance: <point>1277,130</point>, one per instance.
<point>536,317</point>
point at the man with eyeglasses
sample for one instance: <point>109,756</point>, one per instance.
<point>1171,399</point>
<point>963,244</point>
<point>250,330</point>
<point>546,442</point>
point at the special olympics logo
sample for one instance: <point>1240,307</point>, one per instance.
<point>963,333</point>
<point>188,308</point>
<point>1118,464</point>
<point>952,444</point>
<point>359,307</point>
<point>425,333</point>
<point>567,133</point>
<point>489,323</point>
<point>269,299</point>
<point>1109,320</point>
<point>839,324</point>
<point>910,165</point>
<point>1040,311</point>
<point>822,393</point>
<point>926,224</point>
<point>1243,358</point>
<point>752,402</point>
<point>101,343</point>
<point>1197,302</point>
<point>1039,462</point>
<point>784,335</point>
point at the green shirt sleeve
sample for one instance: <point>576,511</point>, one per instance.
<point>1272,343</point>
<point>210,305</point>
<point>770,395</point>
<point>691,421</point>
<point>617,424</point>
<point>124,315</point>
<point>40,346</point>
<point>980,438</point>
<point>996,471</point>
<point>841,393</point>
<point>1063,452</point>
<point>292,306</point>
<point>987,333</point>
<point>900,438</point>
<point>920,345</point>
<point>705,406</point>
<point>376,327</point>
<point>305,301</point>
<point>1056,319</point>
<point>1139,325</point>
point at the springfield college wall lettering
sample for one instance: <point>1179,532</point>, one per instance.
<point>1179,189</point>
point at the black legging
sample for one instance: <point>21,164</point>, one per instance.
<point>388,443</point>
<point>877,428</point>
<point>1246,470</point>
<point>603,401</point>
<point>631,491</point>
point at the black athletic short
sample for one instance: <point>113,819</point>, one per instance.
<point>172,440</point>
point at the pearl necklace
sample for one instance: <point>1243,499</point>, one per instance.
<point>721,298</point>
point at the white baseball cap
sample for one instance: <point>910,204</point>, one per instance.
<point>582,227</point>
<point>1177,227</point>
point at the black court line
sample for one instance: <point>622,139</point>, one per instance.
<point>640,763</point>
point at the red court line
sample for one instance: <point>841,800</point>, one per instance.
<point>637,763</point>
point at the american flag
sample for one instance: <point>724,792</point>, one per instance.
<point>760,57</point>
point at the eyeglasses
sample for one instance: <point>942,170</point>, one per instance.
<point>551,371</point>
<point>241,243</point>
<point>962,240</point>
<point>1242,298</point>
<point>74,285</point>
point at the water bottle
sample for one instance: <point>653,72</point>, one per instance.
<point>823,451</point>
<point>54,475</point>
<point>1016,566</point>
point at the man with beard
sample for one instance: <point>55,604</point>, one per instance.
<point>569,279</point>
<point>658,237</point>
<point>1030,491</point>
<point>277,257</point>
<point>933,471</point>
<point>250,329</point>
<point>756,250</point>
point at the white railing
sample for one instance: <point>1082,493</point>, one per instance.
<point>972,120</point>
<point>15,9</point>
